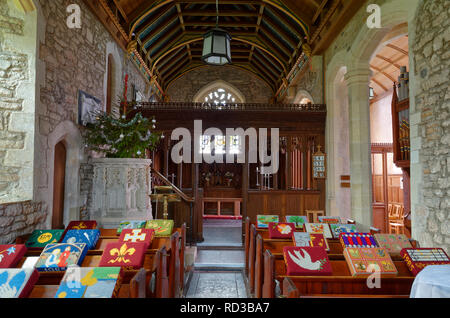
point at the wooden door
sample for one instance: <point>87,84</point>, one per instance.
<point>58,186</point>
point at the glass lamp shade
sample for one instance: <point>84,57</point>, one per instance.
<point>216,47</point>
<point>371,93</point>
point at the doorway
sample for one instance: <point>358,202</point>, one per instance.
<point>59,178</point>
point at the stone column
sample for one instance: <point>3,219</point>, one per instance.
<point>360,166</point>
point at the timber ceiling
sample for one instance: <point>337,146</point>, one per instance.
<point>386,63</point>
<point>268,36</point>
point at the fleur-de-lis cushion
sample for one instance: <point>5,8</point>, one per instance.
<point>418,258</point>
<point>59,256</point>
<point>40,238</point>
<point>90,282</point>
<point>306,261</point>
<point>90,237</point>
<point>137,236</point>
<point>10,255</point>
<point>360,259</point>
<point>17,282</point>
<point>161,227</point>
<point>281,230</point>
<point>123,254</point>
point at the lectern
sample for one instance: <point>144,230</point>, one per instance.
<point>164,194</point>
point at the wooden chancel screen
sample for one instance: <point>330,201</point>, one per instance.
<point>290,191</point>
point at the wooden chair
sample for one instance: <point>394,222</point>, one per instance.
<point>396,219</point>
<point>313,215</point>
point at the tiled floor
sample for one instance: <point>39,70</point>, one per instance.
<point>217,285</point>
<point>222,233</point>
<point>220,258</point>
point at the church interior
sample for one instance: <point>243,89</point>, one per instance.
<point>224,149</point>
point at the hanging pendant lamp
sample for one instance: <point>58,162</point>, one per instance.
<point>216,45</point>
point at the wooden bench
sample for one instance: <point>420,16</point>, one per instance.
<point>341,283</point>
<point>290,290</point>
<point>173,248</point>
<point>134,284</point>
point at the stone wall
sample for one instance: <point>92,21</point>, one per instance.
<point>185,88</point>
<point>430,140</point>
<point>64,61</point>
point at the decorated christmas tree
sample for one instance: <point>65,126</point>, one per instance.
<point>122,137</point>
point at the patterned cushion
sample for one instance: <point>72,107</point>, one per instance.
<point>307,261</point>
<point>329,219</point>
<point>123,254</point>
<point>10,255</point>
<point>319,228</point>
<point>161,227</point>
<point>418,258</point>
<point>359,260</point>
<point>299,220</point>
<point>302,239</point>
<point>133,224</point>
<point>138,236</point>
<point>80,225</point>
<point>394,243</point>
<point>357,240</point>
<point>281,230</point>
<point>337,229</point>
<point>262,221</point>
<point>90,282</point>
<point>319,240</point>
<point>40,238</point>
<point>17,282</point>
<point>90,237</point>
<point>57,257</point>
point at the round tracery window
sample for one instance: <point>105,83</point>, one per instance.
<point>220,96</point>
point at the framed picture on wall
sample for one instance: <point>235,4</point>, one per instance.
<point>88,105</point>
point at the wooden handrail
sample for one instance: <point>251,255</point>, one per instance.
<point>174,187</point>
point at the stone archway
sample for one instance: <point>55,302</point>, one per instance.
<point>219,84</point>
<point>68,134</point>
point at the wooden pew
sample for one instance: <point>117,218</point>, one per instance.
<point>246,244</point>
<point>251,259</point>
<point>341,283</point>
<point>134,284</point>
<point>290,290</point>
<point>175,265</point>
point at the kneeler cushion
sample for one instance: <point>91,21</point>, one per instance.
<point>40,238</point>
<point>281,230</point>
<point>137,236</point>
<point>394,243</point>
<point>337,229</point>
<point>418,258</point>
<point>318,240</point>
<point>161,227</point>
<point>359,260</point>
<point>329,219</point>
<point>133,224</point>
<point>302,239</point>
<point>357,240</point>
<point>298,220</point>
<point>89,237</point>
<point>319,228</point>
<point>90,282</point>
<point>10,255</point>
<point>307,261</point>
<point>17,282</point>
<point>123,254</point>
<point>80,225</point>
<point>59,256</point>
<point>262,221</point>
